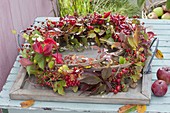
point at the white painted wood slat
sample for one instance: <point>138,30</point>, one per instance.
<point>157,104</point>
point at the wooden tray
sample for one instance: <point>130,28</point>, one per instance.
<point>23,90</point>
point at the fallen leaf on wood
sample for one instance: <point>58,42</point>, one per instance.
<point>141,108</point>
<point>14,32</point>
<point>131,108</point>
<point>159,54</point>
<point>27,104</point>
<point>127,108</point>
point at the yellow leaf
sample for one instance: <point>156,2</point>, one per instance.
<point>87,67</point>
<point>127,108</point>
<point>159,54</point>
<point>75,89</point>
<point>136,36</point>
<point>131,42</point>
<point>25,36</point>
<point>27,103</point>
<point>141,108</point>
<point>14,32</point>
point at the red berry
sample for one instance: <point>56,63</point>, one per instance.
<point>113,70</point>
<point>118,88</point>
<point>90,27</point>
<point>115,91</point>
<point>100,22</point>
<point>53,23</point>
<point>118,81</point>
<point>72,22</point>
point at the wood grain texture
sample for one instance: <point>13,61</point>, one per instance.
<point>22,90</point>
<point>16,14</point>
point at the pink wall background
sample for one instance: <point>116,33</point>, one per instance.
<point>16,14</point>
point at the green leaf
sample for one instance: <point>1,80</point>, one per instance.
<point>29,68</point>
<point>84,41</point>
<point>135,77</point>
<point>75,41</point>
<point>145,35</point>
<point>168,4</point>
<point>131,42</point>
<point>74,30</point>
<point>41,63</point>
<point>58,86</point>
<point>136,21</point>
<point>92,80</point>
<point>138,68</point>
<point>141,49</point>
<point>24,53</point>
<point>48,58</point>
<point>101,89</point>
<point>97,30</point>
<point>40,59</point>
<point>75,89</point>
<point>36,32</point>
<point>111,40</point>
<point>97,41</point>
<point>32,70</point>
<point>127,108</point>
<point>139,64</point>
<point>91,35</point>
<point>61,91</point>
<point>122,60</point>
<point>106,73</point>
<point>51,64</point>
<point>140,2</point>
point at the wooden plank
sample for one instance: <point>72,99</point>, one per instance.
<point>8,47</point>
<point>165,37</point>
<point>146,86</point>
<point>161,62</point>
<point>159,26</point>
<point>164,49</point>
<point>133,96</point>
<point>44,8</point>
<point>42,19</point>
<point>155,21</point>
<point>19,80</point>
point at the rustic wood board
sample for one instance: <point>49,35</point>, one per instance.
<point>23,90</point>
<point>157,104</point>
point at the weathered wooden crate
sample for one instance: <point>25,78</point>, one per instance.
<point>23,90</point>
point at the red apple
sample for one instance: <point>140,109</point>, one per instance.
<point>164,74</point>
<point>159,88</point>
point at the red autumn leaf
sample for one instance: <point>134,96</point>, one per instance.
<point>37,47</point>
<point>49,41</point>
<point>47,49</point>
<point>150,34</point>
<point>58,58</point>
<point>25,62</point>
<point>107,14</point>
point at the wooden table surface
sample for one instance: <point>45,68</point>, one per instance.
<point>158,104</point>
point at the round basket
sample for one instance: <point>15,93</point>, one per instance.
<point>150,5</point>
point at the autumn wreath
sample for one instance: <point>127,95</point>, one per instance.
<point>96,54</point>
